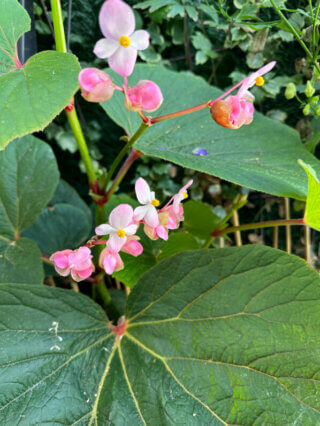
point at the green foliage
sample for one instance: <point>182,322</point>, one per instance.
<point>14,21</point>
<point>224,336</point>
<point>312,212</point>
<point>31,96</point>
<point>20,262</point>
<point>261,156</point>
<point>65,223</point>
<point>28,178</point>
<point>199,219</point>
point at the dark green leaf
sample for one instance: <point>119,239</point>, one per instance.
<point>213,337</point>
<point>28,178</point>
<point>20,262</point>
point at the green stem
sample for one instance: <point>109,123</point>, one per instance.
<point>296,34</point>
<point>314,32</point>
<point>121,174</point>
<point>257,225</point>
<point>124,151</point>
<point>82,145</point>
<point>61,46</point>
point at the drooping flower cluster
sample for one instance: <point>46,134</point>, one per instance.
<point>120,232</point>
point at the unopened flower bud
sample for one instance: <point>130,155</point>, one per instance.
<point>309,91</point>
<point>232,112</point>
<point>96,85</point>
<point>145,96</point>
<point>291,91</point>
<point>306,110</point>
<point>314,100</point>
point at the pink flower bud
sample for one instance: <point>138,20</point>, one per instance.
<point>110,261</point>
<point>96,85</point>
<point>232,112</point>
<point>61,262</point>
<point>145,96</point>
<point>133,247</point>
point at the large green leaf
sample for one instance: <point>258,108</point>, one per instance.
<point>262,156</point>
<point>14,21</point>
<point>31,97</point>
<point>28,178</point>
<point>213,337</point>
<point>20,262</point>
<point>312,213</point>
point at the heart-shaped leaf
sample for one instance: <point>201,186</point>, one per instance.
<point>28,178</point>
<point>32,95</point>
<point>262,156</point>
<point>212,337</point>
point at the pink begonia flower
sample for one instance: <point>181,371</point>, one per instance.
<point>96,85</point>
<point>174,207</point>
<point>117,23</point>
<point>145,96</point>
<point>110,261</point>
<point>161,230</point>
<point>121,225</point>
<point>148,212</point>
<point>77,262</point>
<point>235,111</point>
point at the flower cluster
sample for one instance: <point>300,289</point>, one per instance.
<point>120,232</point>
<point>120,47</point>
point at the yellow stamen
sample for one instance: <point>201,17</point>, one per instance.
<point>121,233</point>
<point>259,81</point>
<point>155,202</point>
<point>125,41</point>
<point>185,195</point>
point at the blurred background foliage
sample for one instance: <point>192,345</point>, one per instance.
<point>222,41</point>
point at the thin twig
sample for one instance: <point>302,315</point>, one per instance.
<point>275,237</point>
<point>237,234</point>
<point>288,228</point>
<point>307,244</point>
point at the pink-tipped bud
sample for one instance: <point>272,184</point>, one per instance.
<point>232,112</point>
<point>96,85</point>
<point>145,96</point>
<point>133,247</point>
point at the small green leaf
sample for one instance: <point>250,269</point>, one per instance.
<point>28,178</point>
<point>199,219</point>
<point>312,212</point>
<point>20,262</point>
<point>31,97</point>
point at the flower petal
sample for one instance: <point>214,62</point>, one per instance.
<point>116,19</point>
<point>104,229</point>
<point>121,216</point>
<point>123,60</point>
<point>139,212</point>
<point>162,232</point>
<point>151,216</point>
<point>143,192</point>
<point>131,229</point>
<point>105,47</point>
<point>109,263</point>
<point>115,242</point>
<point>140,39</point>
